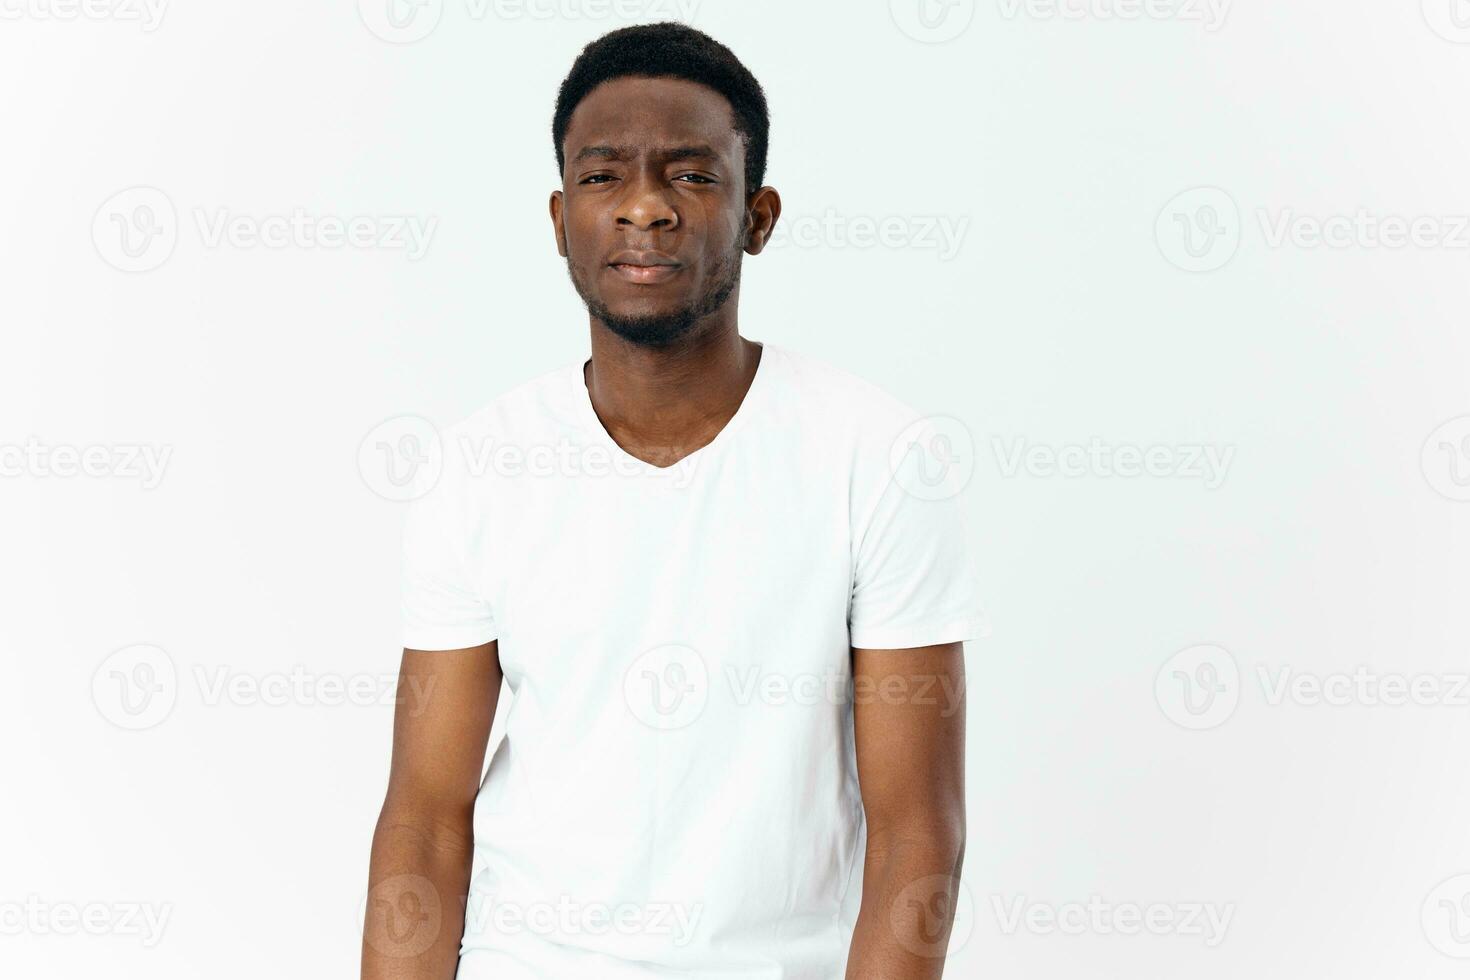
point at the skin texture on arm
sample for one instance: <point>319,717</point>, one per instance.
<point>909,726</point>
<point>423,845</point>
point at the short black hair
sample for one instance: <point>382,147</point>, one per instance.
<point>670,50</point>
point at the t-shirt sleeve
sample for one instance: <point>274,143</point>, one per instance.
<point>442,609</point>
<point>914,580</point>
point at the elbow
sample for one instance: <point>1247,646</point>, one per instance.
<point>939,842</point>
<point>426,826</point>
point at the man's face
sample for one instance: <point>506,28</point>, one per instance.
<point>652,212</point>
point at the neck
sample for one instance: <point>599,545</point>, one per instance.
<point>661,404</point>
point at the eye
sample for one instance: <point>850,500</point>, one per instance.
<point>597,178</point>
<point>697,178</point>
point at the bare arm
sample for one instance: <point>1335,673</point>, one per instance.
<point>423,845</point>
<point>909,721</point>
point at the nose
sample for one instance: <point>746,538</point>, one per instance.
<point>645,204</point>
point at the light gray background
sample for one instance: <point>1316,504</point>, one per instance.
<point>1114,176</point>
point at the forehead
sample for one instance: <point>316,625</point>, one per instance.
<point>652,112</point>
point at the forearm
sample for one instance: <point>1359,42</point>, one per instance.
<point>417,882</point>
<point>910,885</point>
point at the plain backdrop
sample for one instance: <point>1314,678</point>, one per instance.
<point>1114,240</point>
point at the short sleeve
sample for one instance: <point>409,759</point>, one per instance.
<point>914,580</point>
<point>442,609</point>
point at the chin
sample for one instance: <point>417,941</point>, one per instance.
<point>647,328</point>
<point>643,307</point>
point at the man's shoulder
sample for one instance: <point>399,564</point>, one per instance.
<point>853,422</point>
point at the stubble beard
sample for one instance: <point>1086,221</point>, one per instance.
<point>659,330</point>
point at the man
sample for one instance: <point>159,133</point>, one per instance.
<point>731,627</point>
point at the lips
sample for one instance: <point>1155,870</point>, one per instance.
<point>645,259</point>
<point>644,267</point>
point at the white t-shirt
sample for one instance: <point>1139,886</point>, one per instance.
<point>676,793</point>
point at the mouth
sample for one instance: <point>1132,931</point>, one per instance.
<point>644,267</point>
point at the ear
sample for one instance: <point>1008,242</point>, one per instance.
<point>761,215</point>
<point>558,226</point>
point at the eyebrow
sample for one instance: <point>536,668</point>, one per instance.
<point>623,152</point>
